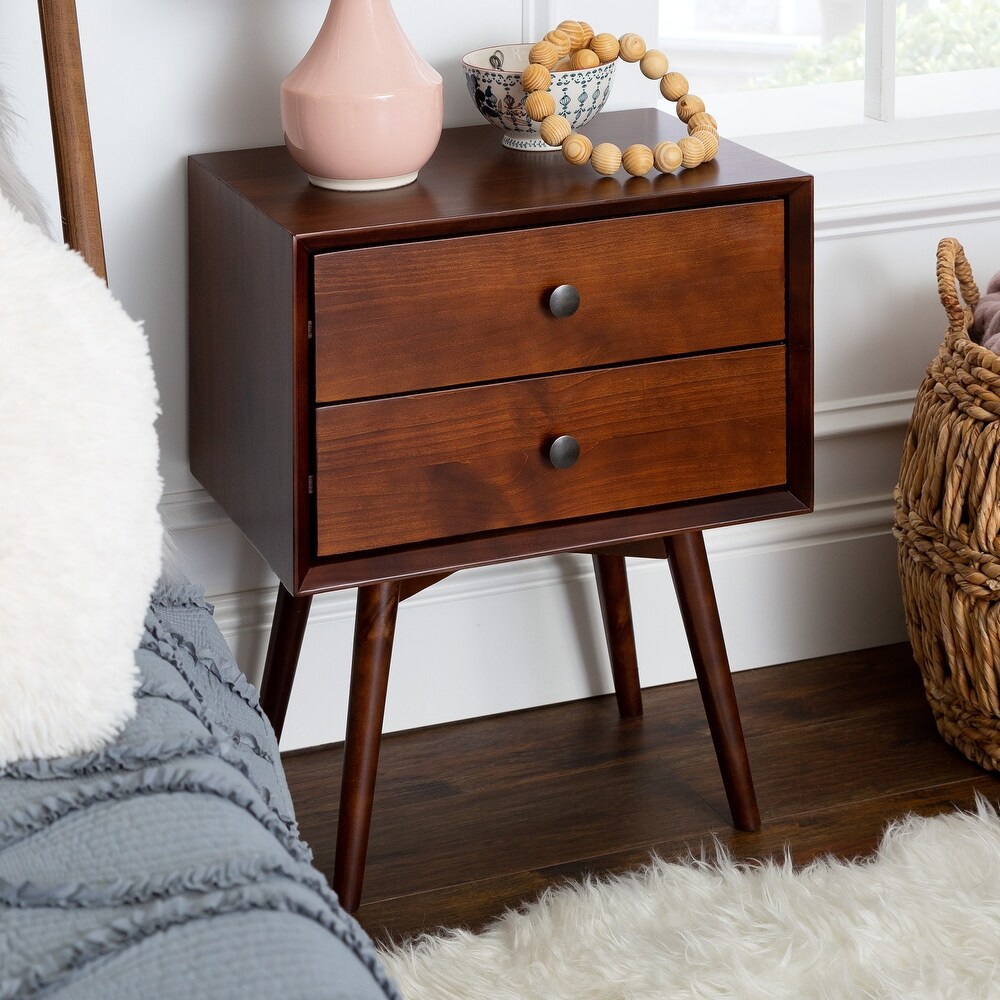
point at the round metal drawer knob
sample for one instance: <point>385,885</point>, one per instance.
<point>564,301</point>
<point>564,451</point>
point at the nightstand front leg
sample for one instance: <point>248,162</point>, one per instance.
<point>290,616</point>
<point>616,610</point>
<point>700,613</point>
<point>374,627</point>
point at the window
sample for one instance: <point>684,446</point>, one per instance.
<point>887,60</point>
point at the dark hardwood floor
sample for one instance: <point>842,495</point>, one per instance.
<point>473,817</point>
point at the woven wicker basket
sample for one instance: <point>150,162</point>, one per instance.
<point>947,520</point>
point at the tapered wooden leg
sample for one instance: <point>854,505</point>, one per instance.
<point>288,628</point>
<point>699,610</point>
<point>616,610</point>
<point>374,627</point>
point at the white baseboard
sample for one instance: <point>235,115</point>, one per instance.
<point>250,612</point>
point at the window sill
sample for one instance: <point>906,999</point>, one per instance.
<point>925,161</point>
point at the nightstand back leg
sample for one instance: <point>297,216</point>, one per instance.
<point>700,613</point>
<point>616,610</point>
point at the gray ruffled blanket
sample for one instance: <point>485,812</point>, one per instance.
<point>168,865</point>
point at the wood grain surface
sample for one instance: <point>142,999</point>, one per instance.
<point>421,315</point>
<point>466,461</point>
<point>472,817</point>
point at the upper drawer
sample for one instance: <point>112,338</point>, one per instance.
<point>415,316</point>
<point>461,461</point>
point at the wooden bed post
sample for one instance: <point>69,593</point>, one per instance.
<point>74,151</point>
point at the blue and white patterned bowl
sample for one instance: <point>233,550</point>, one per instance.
<point>494,79</point>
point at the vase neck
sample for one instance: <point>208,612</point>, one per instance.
<point>361,40</point>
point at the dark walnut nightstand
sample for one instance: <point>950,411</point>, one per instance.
<point>509,358</point>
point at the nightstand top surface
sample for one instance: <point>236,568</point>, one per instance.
<point>474,184</point>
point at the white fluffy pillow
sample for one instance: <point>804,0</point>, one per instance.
<point>80,533</point>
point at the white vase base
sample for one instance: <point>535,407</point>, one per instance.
<point>363,184</point>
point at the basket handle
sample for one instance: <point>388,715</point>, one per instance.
<point>955,285</point>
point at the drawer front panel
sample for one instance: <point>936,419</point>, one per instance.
<point>462,461</point>
<point>415,316</point>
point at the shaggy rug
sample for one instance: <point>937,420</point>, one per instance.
<point>920,919</point>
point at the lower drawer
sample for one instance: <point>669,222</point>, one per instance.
<point>415,468</point>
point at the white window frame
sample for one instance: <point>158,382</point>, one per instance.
<point>880,59</point>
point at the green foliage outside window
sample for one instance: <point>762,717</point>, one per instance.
<point>956,35</point>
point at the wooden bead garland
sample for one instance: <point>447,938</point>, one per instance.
<point>637,159</point>
<point>543,53</point>
<point>606,46</point>
<point>573,45</point>
<point>584,59</point>
<point>578,37</point>
<point>576,148</point>
<point>631,47</point>
<point>653,65</point>
<point>606,158</point>
<point>673,86</point>
<point>554,130</point>
<point>536,77</point>
<point>667,157</point>
<point>539,105</point>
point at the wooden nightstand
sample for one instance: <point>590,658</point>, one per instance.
<point>509,358</point>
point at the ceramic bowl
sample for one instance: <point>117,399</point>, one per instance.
<point>494,78</point>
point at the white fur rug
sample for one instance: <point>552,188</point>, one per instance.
<point>919,920</point>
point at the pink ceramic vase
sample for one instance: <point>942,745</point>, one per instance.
<point>362,111</point>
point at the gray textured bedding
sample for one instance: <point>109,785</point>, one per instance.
<point>169,864</point>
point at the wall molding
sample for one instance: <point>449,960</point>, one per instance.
<point>846,221</point>
<point>190,510</point>
<point>845,417</point>
<point>829,524</point>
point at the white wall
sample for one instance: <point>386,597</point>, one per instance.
<point>171,77</point>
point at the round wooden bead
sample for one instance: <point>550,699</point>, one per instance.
<point>575,31</point>
<point>535,77</point>
<point>540,105</point>
<point>702,120</point>
<point>584,59</point>
<point>631,47</point>
<point>710,140</point>
<point>667,157</point>
<point>576,148</point>
<point>653,64</point>
<point>588,32</point>
<point>692,152</point>
<point>689,105</point>
<point>606,158</point>
<point>637,159</point>
<point>560,40</point>
<point>554,129</point>
<point>674,86</point>
<point>543,52</point>
<point>606,46</point>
